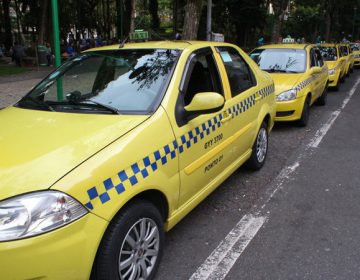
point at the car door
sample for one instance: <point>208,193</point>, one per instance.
<point>246,97</point>
<point>205,141</point>
<point>324,75</point>
<point>316,77</point>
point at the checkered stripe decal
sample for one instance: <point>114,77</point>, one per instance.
<point>132,175</point>
<point>266,91</point>
<point>303,84</point>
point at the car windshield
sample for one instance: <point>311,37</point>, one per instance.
<point>328,53</point>
<point>125,81</point>
<point>280,60</point>
<point>355,47</point>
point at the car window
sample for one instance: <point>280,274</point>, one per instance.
<point>127,81</point>
<point>328,53</point>
<point>280,60</point>
<point>318,58</point>
<point>203,76</point>
<point>344,51</point>
<point>238,71</point>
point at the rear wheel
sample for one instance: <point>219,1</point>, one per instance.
<point>259,149</point>
<point>133,244</point>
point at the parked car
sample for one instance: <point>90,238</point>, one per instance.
<point>349,58</point>
<point>300,76</point>
<point>355,47</point>
<point>335,63</point>
<point>116,146</point>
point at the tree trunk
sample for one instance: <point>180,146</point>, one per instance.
<point>7,25</point>
<point>192,18</point>
<point>327,26</point>
<point>43,26</point>
<point>275,35</point>
<point>132,17</point>
<point>153,9</point>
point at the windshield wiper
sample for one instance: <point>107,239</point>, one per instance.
<point>272,70</point>
<point>42,104</point>
<point>90,104</point>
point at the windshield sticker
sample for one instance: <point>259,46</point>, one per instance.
<point>225,56</point>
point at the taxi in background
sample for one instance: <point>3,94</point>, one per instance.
<point>349,58</point>
<point>125,141</point>
<point>300,76</point>
<point>355,47</point>
<point>335,63</point>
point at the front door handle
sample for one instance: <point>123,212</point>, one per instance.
<point>226,118</point>
<point>257,96</point>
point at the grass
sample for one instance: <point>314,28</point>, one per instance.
<point>6,69</point>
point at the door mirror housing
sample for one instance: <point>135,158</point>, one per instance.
<point>205,102</point>
<point>315,70</point>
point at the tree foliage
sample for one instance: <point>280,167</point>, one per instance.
<point>241,21</point>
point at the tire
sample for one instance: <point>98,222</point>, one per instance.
<point>259,149</point>
<point>337,86</point>
<point>342,80</point>
<point>137,254</point>
<point>305,114</point>
<point>323,97</point>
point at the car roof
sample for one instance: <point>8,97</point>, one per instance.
<point>329,45</point>
<point>286,46</point>
<point>178,45</point>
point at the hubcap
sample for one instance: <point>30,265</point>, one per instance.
<point>261,145</point>
<point>139,251</point>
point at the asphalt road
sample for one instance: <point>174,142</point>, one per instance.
<point>297,218</point>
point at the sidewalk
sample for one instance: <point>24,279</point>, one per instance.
<point>13,87</point>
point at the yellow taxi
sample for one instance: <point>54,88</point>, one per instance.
<point>349,58</point>
<point>335,63</point>
<point>116,146</point>
<point>300,76</point>
<point>355,47</point>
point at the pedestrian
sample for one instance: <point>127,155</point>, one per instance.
<point>48,54</point>
<point>178,35</point>
<point>260,42</point>
<point>18,53</point>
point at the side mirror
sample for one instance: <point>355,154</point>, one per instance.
<point>206,102</point>
<point>315,70</point>
<point>343,59</point>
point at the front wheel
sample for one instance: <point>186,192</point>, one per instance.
<point>259,149</point>
<point>305,114</point>
<point>322,99</point>
<point>132,245</point>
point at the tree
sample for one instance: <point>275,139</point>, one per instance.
<point>279,8</point>
<point>192,18</point>
<point>7,24</point>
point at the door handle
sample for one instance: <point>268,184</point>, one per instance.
<point>227,118</point>
<point>257,96</point>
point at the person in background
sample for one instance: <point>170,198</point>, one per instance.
<point>18,53</point>
<point>48,54</point>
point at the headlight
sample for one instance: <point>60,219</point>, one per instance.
<point>287,95</point>
<point>332,71</point>
<point>36,213</point>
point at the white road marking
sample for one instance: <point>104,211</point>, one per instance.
<point>314,143</point>
<point>221,260</point>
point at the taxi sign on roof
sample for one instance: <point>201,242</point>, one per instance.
<point>288,40</point>
<point>139,35</point>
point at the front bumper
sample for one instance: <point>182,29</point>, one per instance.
<point>65,253</point>
<point>289,110</point>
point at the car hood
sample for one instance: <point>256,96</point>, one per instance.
<point>285,81</point>
<point>37,148</point>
